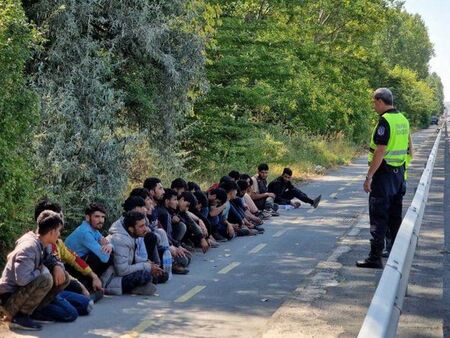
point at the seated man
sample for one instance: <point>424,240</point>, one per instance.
<point>241,204</point>
<point>26,284</point>
<point>87,241</point>
<point>135,276</point>
<point>146,245</point>
<point>194,232</point>
<point>175,229</point>
<point>286,193</point>
<point>217,205</point>
<point>85,280</point>
<point>263,199</point>
<point>179,185</point>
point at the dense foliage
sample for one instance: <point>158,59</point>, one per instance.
<point>97,95</point>
<point>18,115</point>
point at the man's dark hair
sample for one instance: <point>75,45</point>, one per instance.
<point>287,171</point>
<point>179,183</point>
<point>130,219</point>
<point>93,207</point>
<point>141,192</point>
<point>242,185</point>
<point>168,194</point>
<point>151,183</point>
<point>47,221</point>
<point>188,197</point>
<point>133,202</point>
<point>225,178</point>
<point>245,177</point>
<point>263,167</point>
<point>221,194</point>
<point>45,204</point>
<point>229,186</point>
<point>201,198</point>
<point>192,186</point>
<point>234,174</point>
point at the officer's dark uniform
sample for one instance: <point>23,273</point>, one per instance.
<point>385,200</point>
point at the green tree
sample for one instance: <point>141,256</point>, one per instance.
<point>18,116</point>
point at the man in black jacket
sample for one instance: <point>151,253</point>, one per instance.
<point>286,193</point>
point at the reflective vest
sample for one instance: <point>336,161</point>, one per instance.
<point>397,147</point>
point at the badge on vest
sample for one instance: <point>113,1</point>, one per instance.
<point>381,130</point>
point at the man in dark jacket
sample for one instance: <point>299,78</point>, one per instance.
<point>286,193</point>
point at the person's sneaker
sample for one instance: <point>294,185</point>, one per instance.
<point>24,322</point>
<point>259,229</point>
<point>316,201</point>
<point>161,279</point>
<point>275,213</point>
<point>96,296</point>
<point>219,238</point>
<point>179,270</point>
<point>253,232</point>
<point>385,254</point>
<point>242,232</point>
<point>213,244</point>
<point>266,214</point>
<point>148,289</point>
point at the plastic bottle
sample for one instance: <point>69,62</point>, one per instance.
<point>167,262</point>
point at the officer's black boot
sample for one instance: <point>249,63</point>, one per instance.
<point>374,260</point>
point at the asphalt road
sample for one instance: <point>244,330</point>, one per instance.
<point>294,281</point>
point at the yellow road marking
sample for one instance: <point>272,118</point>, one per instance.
<point>191,293</point>
<point>229,267</point>
<point>257,248</point>
<point>280,233</point>
<point>144,325</point>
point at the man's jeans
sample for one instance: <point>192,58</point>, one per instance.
<point>138,278</point>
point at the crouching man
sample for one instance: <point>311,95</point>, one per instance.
<point>130,275</point>
<point>27,284</point>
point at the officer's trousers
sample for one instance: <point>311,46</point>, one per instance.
<point>385,206</point>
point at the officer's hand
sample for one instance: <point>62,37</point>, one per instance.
<point>367,184</point>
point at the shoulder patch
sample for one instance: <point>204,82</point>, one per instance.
<point>381,130</point>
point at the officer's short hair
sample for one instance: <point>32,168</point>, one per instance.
<point>385,95</point>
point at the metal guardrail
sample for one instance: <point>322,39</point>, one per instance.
<point>382,318</point>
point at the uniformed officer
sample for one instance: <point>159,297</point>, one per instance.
<point>385,182</point>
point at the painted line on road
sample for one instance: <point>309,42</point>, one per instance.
<point>229,267</point>
<point>257,248</point>
<point>333,195</point>
<point>280,232</point>
<point>341,188</point>
<point>191,293</point>
<point>310,211</point>
<point>136,331</point>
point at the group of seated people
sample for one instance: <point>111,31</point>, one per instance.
<point>47,279</point>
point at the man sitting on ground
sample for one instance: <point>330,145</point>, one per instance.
<point>86,281</point>
<point>263,199</point>
<point>87,241</point>
<point>175,231</point>
<point>26,283</point>
<point>179,185</point>
<point>136,277</point>
<point>286,193</point>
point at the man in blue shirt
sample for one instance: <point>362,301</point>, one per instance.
<point>87,241</point>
